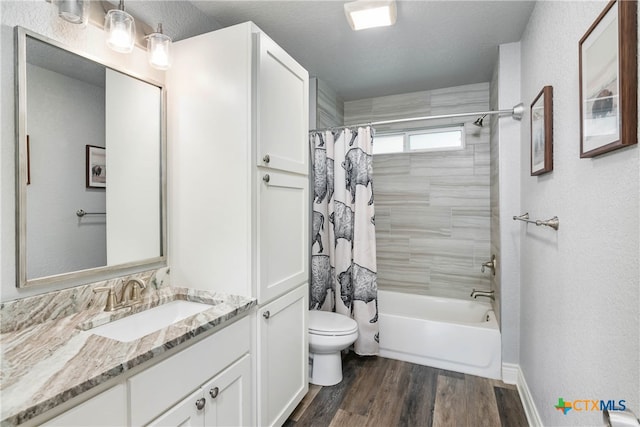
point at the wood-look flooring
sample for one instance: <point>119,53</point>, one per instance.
<point>383,392</point>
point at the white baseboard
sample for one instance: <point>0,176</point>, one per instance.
<point>512,374</point>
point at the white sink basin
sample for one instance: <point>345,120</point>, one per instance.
<point>140,324</point>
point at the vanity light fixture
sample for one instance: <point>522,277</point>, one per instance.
<point>159,49</point>
<point>74,11</point>
<point>363,14</point>
<point>120,29</point>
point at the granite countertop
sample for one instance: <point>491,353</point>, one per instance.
<point>49,361</point>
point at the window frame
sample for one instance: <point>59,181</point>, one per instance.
<point>406,135</point>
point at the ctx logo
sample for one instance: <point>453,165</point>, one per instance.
<point>590,405</point>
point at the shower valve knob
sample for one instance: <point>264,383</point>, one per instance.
<point>266,158</point>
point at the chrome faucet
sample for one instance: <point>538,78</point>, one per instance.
<point>130,294</point>
<point>489,294</point>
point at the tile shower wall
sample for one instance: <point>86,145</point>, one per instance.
<point>432,208</point>
<point>329,107</point>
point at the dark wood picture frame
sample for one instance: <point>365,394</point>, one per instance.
<point>542,132</point>
<point>96,172</point>
<point>609,80</point>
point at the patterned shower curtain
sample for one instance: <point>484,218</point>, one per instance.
<point>343,251</point>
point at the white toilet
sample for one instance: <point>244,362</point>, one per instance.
<point>329,334</point>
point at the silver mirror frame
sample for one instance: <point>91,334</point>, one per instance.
<point>91,274</point>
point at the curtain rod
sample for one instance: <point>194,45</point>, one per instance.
<point>516,113</point>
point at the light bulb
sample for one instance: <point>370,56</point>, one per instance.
<point>120,30</point>
<point>159,49</point>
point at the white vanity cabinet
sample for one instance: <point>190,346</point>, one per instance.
<point>214,373</point>
<point>221,361</point>
<point>108,408</point>
<point>239,193</point>
<point>223,401</point>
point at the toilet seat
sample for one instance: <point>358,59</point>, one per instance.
<point>327,323</point>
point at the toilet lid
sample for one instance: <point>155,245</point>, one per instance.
<point>329,323</point>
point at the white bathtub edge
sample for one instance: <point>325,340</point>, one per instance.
<point>512,374</point>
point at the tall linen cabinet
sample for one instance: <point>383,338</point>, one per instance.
<point>239,195</point>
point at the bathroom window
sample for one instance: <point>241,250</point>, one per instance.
<point>433,139</point>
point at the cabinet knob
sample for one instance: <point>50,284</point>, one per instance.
<point>266,314</point>
<point>200,403</point>
<point>266,158</point>
<point>214,392</point>
<point>266,177</point>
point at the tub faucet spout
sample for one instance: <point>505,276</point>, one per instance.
<point>489,294</point>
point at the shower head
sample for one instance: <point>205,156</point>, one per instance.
<point>479,120</point>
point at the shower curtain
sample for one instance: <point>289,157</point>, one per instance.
<point>343,241</point>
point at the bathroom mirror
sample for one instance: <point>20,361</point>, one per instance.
<point>90,167</point>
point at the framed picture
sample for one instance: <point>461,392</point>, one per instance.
<point>28,161</point>
<point>609,81</point>
<point>96,170</point>
<point>542,132</point>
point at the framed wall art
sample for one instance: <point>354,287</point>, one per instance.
<point>96,170</point>
<point>542,132</point>
<point>609,80</point>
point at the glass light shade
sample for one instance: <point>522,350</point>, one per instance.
<point>159,50</point>
<point>74,11</point>
<point>363,14</point>
<point>120,30</point>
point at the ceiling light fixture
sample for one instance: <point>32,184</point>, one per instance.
<point>120,29</point>
<point>363,14</point>
<point>159,49</point>
<point>74,11</point>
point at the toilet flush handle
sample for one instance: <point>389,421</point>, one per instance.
<point>266,314</point>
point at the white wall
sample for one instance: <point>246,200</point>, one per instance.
<point>39,16</point>
<point>57,241</point>
<point>580,296</point>
<point>509,149</point>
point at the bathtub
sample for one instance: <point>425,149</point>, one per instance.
<point>445,333</point>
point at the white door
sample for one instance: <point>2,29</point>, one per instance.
<point>190,412</point>
<point>282,109</point>
<point>229,396</point>
<point>283,229</point>
<point>283,356</point>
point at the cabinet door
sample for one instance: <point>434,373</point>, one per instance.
<point>283,353</point>
<point>283,229</point>
<point>189,412</point>
<point>229,396</point>
<point>109,408</point>
<point>282,109</point>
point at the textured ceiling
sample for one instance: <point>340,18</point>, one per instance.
<point>434,44</point>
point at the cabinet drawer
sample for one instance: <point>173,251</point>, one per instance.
<point>106,409</point>
<point>154,390</point>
